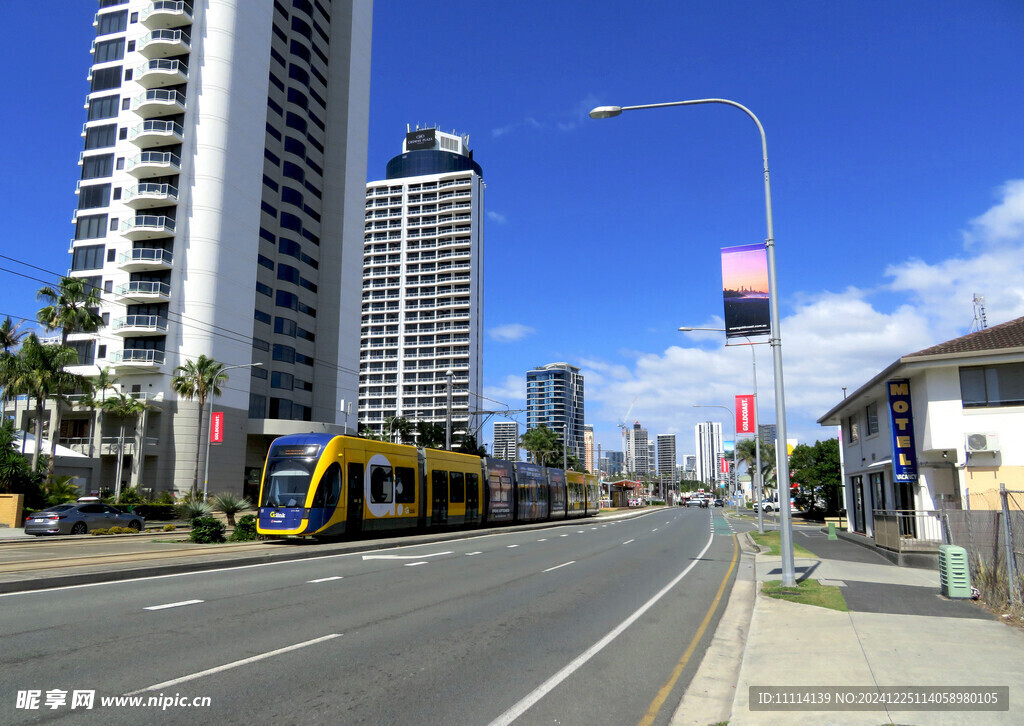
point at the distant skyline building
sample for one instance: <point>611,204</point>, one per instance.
<point>612,463</point>
<point>767,433</point>
<point>422,306</point>
<point>638,462</point>
<point>219,214</point>
<point>666,444</point>
<point>506,440</point>
<point>708,442</point>
<point>554,398</point>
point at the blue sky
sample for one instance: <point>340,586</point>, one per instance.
<point>897,162</point>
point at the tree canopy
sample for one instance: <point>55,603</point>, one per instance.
<point>816,474</point>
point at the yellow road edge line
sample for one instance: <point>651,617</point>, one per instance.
<point>659,700</point>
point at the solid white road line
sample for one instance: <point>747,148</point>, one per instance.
<point>235,664</point>
<point>543,689</point>
<point>325,579</point>
<point>172,605</point>
<point>404,557</point>
<point>564,564</point>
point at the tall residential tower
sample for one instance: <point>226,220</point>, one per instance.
<point>422,307</point>
<point>220,214</point>
<point>554,397</point>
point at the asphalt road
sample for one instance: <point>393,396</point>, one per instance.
<point>579,624</point>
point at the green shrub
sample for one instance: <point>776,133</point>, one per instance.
<point>245,530</point>
<point>165,497</point>
<point>99,531</point>
<point>231,504</point>
<point>192,508</point>
<point>207,530</point>
<point>169,528</point>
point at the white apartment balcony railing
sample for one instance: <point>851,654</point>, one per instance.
<point>162,43</point>
<point>137,358</point>
<point>161,72</point>
<point>147,226</point>
<point>144,291</point>
<point>156,132</point>
<point>166,14</point>
<point>153,163</point>
<point>159,102</point>
<point>149,194</point>
<point>143,259</point>
<point>134,325</point>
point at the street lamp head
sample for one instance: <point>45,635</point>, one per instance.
<point>606,111</point>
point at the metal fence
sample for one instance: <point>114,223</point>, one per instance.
<point>908,530</point>
<point>994,539</point>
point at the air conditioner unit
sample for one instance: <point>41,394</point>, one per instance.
<point>979,443</point>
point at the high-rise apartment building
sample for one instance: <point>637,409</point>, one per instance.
<point>612,463</point>
<point>666,444</point>
<point>708,441</point>
<point>554,397</point>
<point>638,461</point>
<point>220,214</point>
<point>588,448</point>
<point>506,440</point>
<point>422,307</point>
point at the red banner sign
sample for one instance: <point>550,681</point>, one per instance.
<point>746,422</point>
<point>725,465</point>
<point>217,427</point>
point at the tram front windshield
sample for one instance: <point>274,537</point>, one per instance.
<point>287,483</point>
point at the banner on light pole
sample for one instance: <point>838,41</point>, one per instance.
<point>746,419</point>
<point>745,291</point>
<point>217,427</point>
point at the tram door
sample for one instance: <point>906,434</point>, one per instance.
<point>439,488</point>
<point>472,499</point>
<point>354,512</point>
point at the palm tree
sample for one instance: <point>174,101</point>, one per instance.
<point>124,407</point>
<point>231,504</point>
<point>93,400</point>
<point>72,307</point>
<point>429,435</point>
<point>9,338</point>
<point>543,445</point>
<point>38,371</point>
<point>196,380</point>
<point>398,429</point>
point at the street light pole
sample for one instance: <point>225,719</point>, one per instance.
<point>206,469</point>
<point>756,480</point>
<point>781,455</point>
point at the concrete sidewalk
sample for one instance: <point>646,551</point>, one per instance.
<point>899,632</point>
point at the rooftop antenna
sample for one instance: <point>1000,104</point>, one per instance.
<point>980,322</point>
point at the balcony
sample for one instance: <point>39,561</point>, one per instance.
<point>154,163</point>
<point>147,226</point>
<point>137,358</point>
<point>156,133</point>
<point>159,102</point>
<point>161,72</point>
<point>136,325</point>
<point>142,291</point>
<point>163,43</point>
<point>166,14</point>
<point>148,194</point>
<point>145,260</point>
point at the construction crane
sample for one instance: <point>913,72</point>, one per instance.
<point>624,426</point>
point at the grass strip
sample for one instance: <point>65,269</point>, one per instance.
<point>771,540</point>
<point>808,592</point>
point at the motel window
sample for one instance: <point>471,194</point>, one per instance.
<point>872,416</point>
<point>852,433</point>
<point>992,386</point>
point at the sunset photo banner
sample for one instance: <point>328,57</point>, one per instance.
<point>745,291</point>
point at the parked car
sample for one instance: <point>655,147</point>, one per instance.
<point>770,505</point>
<point>79,518</point>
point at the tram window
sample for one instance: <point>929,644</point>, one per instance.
<point>440,482</point>
<point>331,485</point>
<point>472,483</point>
<point>382,486</point>
<point>405,485</point>
<point>286,484</point>
<point>318,497</point>
<point>458,486</point>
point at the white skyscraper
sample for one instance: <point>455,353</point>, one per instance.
<point>638,461</point>
<point>219,217</point>
<point>506,440</point>
<point>666,455</point>
<point>708,440</point>
<point>422,305</point>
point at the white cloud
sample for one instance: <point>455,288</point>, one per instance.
<point>512,389</point>
<point>831,340</point>
<point>502,130</point>
<point>496,217</point>
<point>510,333</point>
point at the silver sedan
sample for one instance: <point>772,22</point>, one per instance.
<point>80,518</point>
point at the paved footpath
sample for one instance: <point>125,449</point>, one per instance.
<point>899,631</point>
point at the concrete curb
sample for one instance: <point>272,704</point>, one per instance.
<point>710,695</point>
<point>291,551</point>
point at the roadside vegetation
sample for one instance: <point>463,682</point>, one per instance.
<point>773,542</point>
<point>807,592</point>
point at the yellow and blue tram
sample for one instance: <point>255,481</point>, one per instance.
<point>328,486</point>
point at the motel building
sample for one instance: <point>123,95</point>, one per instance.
<point>932,435</point>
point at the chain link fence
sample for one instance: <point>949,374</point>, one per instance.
<point>991,529</point>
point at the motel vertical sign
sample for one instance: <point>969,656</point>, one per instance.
<point>901,424</point>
